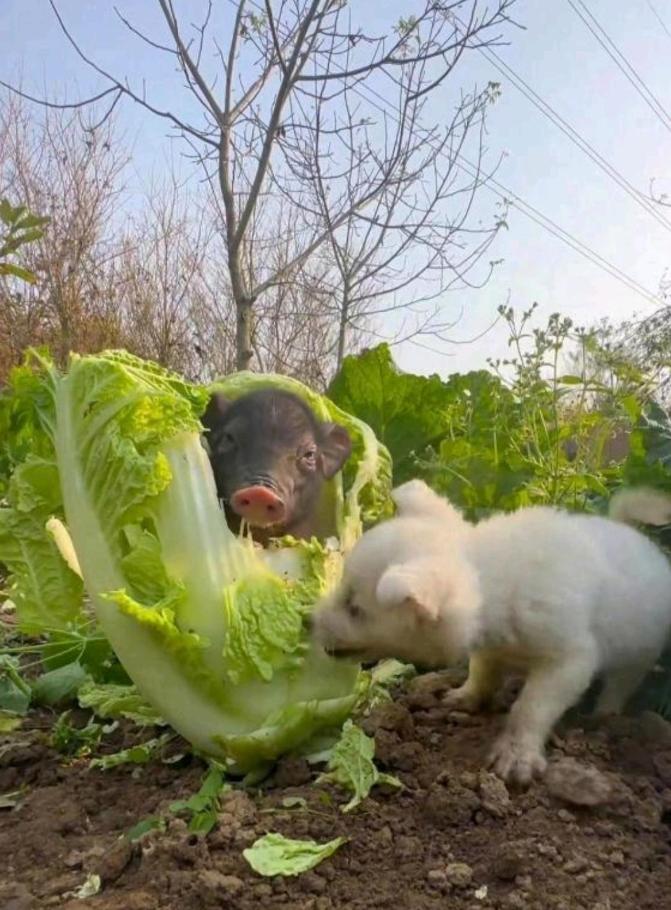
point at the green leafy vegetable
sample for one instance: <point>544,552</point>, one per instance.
<point>406,412</point>
<point>15,692</point>
<point>203,806</point>
<point>384,676</point>
<point>144,827</point>
<point>117,486</point>
<point>274,854</point>
<point>351,766</point>
<point>109,700</point>
<point>75,741</point>
<point>60,684</point>
<point>135,755</point>
<point>85,645</point>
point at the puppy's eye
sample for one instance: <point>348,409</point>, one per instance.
<point>353,611</point>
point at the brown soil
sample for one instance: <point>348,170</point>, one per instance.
<point>595,834</point>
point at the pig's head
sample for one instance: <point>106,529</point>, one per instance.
<point>270,457</point>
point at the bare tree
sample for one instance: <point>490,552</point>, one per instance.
<point>413,242</point>
<point>280,83</point>
<point>152,279</point>
<point>293,329</point>
<point>58,167</point>
<point>162,272</point>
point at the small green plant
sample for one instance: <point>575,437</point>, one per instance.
<point>558,432</point>
<point>526,431</point>
<point>19,226</point>
<point>201,809</point>
<point>203,806</point>
<point>75,742</point>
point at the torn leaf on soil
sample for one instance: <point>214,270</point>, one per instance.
<point>351,766</point>
<point>134,755</point>
<point>274,854</point>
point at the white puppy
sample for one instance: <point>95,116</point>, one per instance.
<point>563,597</point>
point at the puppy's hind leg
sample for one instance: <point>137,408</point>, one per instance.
<point>550,690</point>
<point>484,678</point>
<point>618,686</point>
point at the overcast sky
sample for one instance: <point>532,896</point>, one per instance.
<point>554,53</point>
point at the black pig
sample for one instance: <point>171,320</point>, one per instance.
<point>270,457</point>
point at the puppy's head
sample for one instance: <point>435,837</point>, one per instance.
<point>402,597</point>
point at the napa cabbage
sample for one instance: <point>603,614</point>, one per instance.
<point>114,505</point>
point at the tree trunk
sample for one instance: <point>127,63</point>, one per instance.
<point>243,304</point>
<point>342,329</point>
<point>243,334</point>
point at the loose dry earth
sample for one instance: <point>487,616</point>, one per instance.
<point>596,834</point>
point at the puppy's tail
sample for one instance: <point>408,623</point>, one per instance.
<point>641,506</point>
<point>417,500</point>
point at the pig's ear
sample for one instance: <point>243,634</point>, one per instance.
<point>215,410</point>
<point>335,448</point>
<point>406,585</point>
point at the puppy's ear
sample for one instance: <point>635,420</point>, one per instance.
<point>406,585</point>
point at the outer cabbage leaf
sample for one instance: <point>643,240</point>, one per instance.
<point>47,593</point>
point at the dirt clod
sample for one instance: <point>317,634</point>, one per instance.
<point>578,784</point>
<point>494,794</point>
<point>292,771</point>
<point>450,805</point>
<point>459,874</point>
<point>393,716</point>
<point>511,861</point>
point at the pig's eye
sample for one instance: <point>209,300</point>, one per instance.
<point>309,457</point>
<point>226,442</point>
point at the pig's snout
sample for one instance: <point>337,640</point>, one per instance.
<point>258,505</point>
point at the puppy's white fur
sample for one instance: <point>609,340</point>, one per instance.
<point>563,597</point>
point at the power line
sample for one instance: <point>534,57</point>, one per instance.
<point>548,111</point>
<point>658,17</point>
<point>526,208</point>
<point>621,62</point>
<point>506,194</point>
<point>560,233</point>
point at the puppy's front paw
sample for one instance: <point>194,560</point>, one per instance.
<point>463,699</point>
<point>516,761</point>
